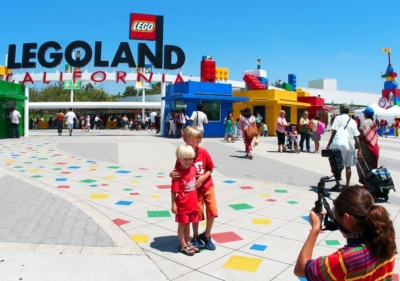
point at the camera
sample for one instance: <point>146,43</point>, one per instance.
<point>337,166</point>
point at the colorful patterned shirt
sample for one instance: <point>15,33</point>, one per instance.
<point>350,263</point>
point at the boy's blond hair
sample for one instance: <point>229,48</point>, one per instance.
<point>185,151</point>
<point>192,133</point>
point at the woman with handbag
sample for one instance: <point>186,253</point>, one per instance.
<point>281,125</point>
<point>249,128</point>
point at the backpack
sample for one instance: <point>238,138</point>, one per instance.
<point>321,128</point>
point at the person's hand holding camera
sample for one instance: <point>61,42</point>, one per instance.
<point>316,220</point>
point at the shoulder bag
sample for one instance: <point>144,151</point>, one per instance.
<point>341,139</point>
<point>252,130</point>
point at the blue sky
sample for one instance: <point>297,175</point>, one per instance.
<point>312,39</point>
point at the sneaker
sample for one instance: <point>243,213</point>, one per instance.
<point>197,243</point>
<point>207,242</point>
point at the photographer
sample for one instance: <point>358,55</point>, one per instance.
<point>370,250</point>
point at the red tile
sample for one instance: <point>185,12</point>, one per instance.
<point>395,277</point>
<point>164,186</point>
<point>160,176</point>
<point>61,163</point>
<point>63,186</point>
<point>143,169</point>
<point>271,200</point>
<point>120,222</point>
<point>134,193</point>
<point>66,173</point>
<point>224,237</point>
<point>93,169</point>
<point>103,184</point>
<point>246,187</point>
<point>57,154</point>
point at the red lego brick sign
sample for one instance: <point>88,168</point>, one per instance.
<point>142,27</point>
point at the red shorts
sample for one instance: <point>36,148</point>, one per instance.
<point>187,217</point>
<point>153,125</point>
<point>207,198</point>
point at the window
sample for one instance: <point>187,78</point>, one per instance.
<point>179,105</point>
<point>288,111</point>
<point>212,109</point>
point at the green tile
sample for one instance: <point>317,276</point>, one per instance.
<point>57,169</point>
<point>88,181</point>
<point>18,167</point>
<point>292,202</point>
<point>239,207</point>
<point>37,176</point>
<point>158,214</point>
<point>28,163</point>
<point>160,173</point>
<point>138,177</point>
<point>332,242</point>
<point>127,189</point>
<point>280,191</point>
<point>113,167</point>
<point>42,159</point>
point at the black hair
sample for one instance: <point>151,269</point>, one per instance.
<point>199,107</point>
<point>247,112</point>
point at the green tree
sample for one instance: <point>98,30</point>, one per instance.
<point>130,91</point>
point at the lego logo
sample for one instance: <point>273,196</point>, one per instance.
<point>143,26</point>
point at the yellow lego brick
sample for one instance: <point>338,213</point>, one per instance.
<point>390,78</point>
<point>3,70</point>
<point>243,263</point>
<point>221,73</point>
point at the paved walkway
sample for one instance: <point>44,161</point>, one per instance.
<point>96,206</point>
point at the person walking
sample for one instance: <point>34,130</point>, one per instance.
<point>281,125</point>
<point>247,120</point>
<point>71,117</point>
<point>153,115</point>
<point>199,118</point>
<point>14,118</point>
<point>305,132</point>
<point>60,121</point>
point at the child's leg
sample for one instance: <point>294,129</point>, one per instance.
<point>186,234</point>
<point>181,233</point>
<point>195,227</point>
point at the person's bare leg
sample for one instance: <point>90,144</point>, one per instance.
<point>186,234</point>
<point>348,176</point>
<point>209,225</point>
<point>195,227</point>
<point>181,234</point>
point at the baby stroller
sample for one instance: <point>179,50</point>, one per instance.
<point>378,181</point>
<point>291,137</point>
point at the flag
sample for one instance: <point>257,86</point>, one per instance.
<point>386,50</point>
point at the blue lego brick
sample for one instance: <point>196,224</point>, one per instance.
<point>262,80</point>
<point>388,85</point>
<point>193,87</point>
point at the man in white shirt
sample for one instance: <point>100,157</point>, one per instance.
<point>71,117</point>
<point>349,156</point>
<point>199,118</point>
<point>153,115</point>
<point>14,118</point>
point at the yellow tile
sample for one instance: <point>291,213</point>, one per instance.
<point>134,181</point>
<point>155,196</point>
<point>265,183</point>
<point>33,170</point>
<point>203,223</point>
<point>67,159</point>
<point>243,263</point>
<point>262,221</point>
<point>94,165</point>
<point>140,238</point>
<point>109,177</point>
<point>264,195</point>
<point>98,196</point>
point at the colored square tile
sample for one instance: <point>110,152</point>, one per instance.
<point>134,193</point>
<point>42,159</point>
<point>61,163</point>
<point>302,279</point>
<point>98,196</point>
<point>160,177</point>
<point>332,242</point>
<point>124,203</point>
<point>224,237</point>
<point>395,277</point>
<point>28,163</point>
<point>306,218</point>
<point>33,170</point>
<point>140,238</point>
<point>93,185</point>
<point>164,186</point>
<point>281,191</point>
<point>246,187</point>
<point>158,214</point>
<point>139,177</point>
<point>262,221</point>
<point>57,169</point>
<point>73,167</point>
<point>242,206</point>
<point>113,167</point>
<point>243,263</point>
<point>127,189</point>
<point>264,195</point>
<point>134,181</point>
<point>258,247</point>
<point>229,181</point>
<point>88,181</point>
<point>120,222</point>
<point>36,176</point>
<point>65,173</point>
<point>90,161</point>
<point>160,173</point>
<point>18,167</point>
<point>155,196</point>
<point>109,177</point>
<point>123,172</point>
<point>61,179</point>
<point>63,186</point>
<point>57,154</point>
<point>271,200</point>
<point>144,169</point>
<point>292,202</point>
<point>103,184</point>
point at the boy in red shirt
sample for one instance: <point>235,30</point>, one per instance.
<point>205,188</point>
<point>184,198</point>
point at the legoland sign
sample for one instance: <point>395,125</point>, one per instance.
<point>142,27</point>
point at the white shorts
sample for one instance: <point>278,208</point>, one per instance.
<point>70,125</point>
<point>349,158</point>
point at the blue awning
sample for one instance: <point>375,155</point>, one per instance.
<point>204,97</point>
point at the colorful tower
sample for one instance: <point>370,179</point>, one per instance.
<point>390,92</point>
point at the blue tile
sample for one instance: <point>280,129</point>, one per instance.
<point>33,156</point>
<point>123,172</point>
<point>307,218</point>
<point>22,171</point>
<point>41,167</point>
<point>93,185</point>
<point>302,278</point>
<point>61,179</point>
<point>15,155</point>
<point>74,167</point>
<point>229,181</point>
<point>90,161</point>
<point>124,203</point>
<point>258,247</point>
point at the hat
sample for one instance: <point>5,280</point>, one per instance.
<point>368,111</point>
<point>344,106</point>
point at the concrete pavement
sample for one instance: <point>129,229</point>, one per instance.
<point>96,206</point>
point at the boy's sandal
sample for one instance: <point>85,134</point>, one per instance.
<point>194,248</point>
<point>336,187</point>
<point>187,250</point>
